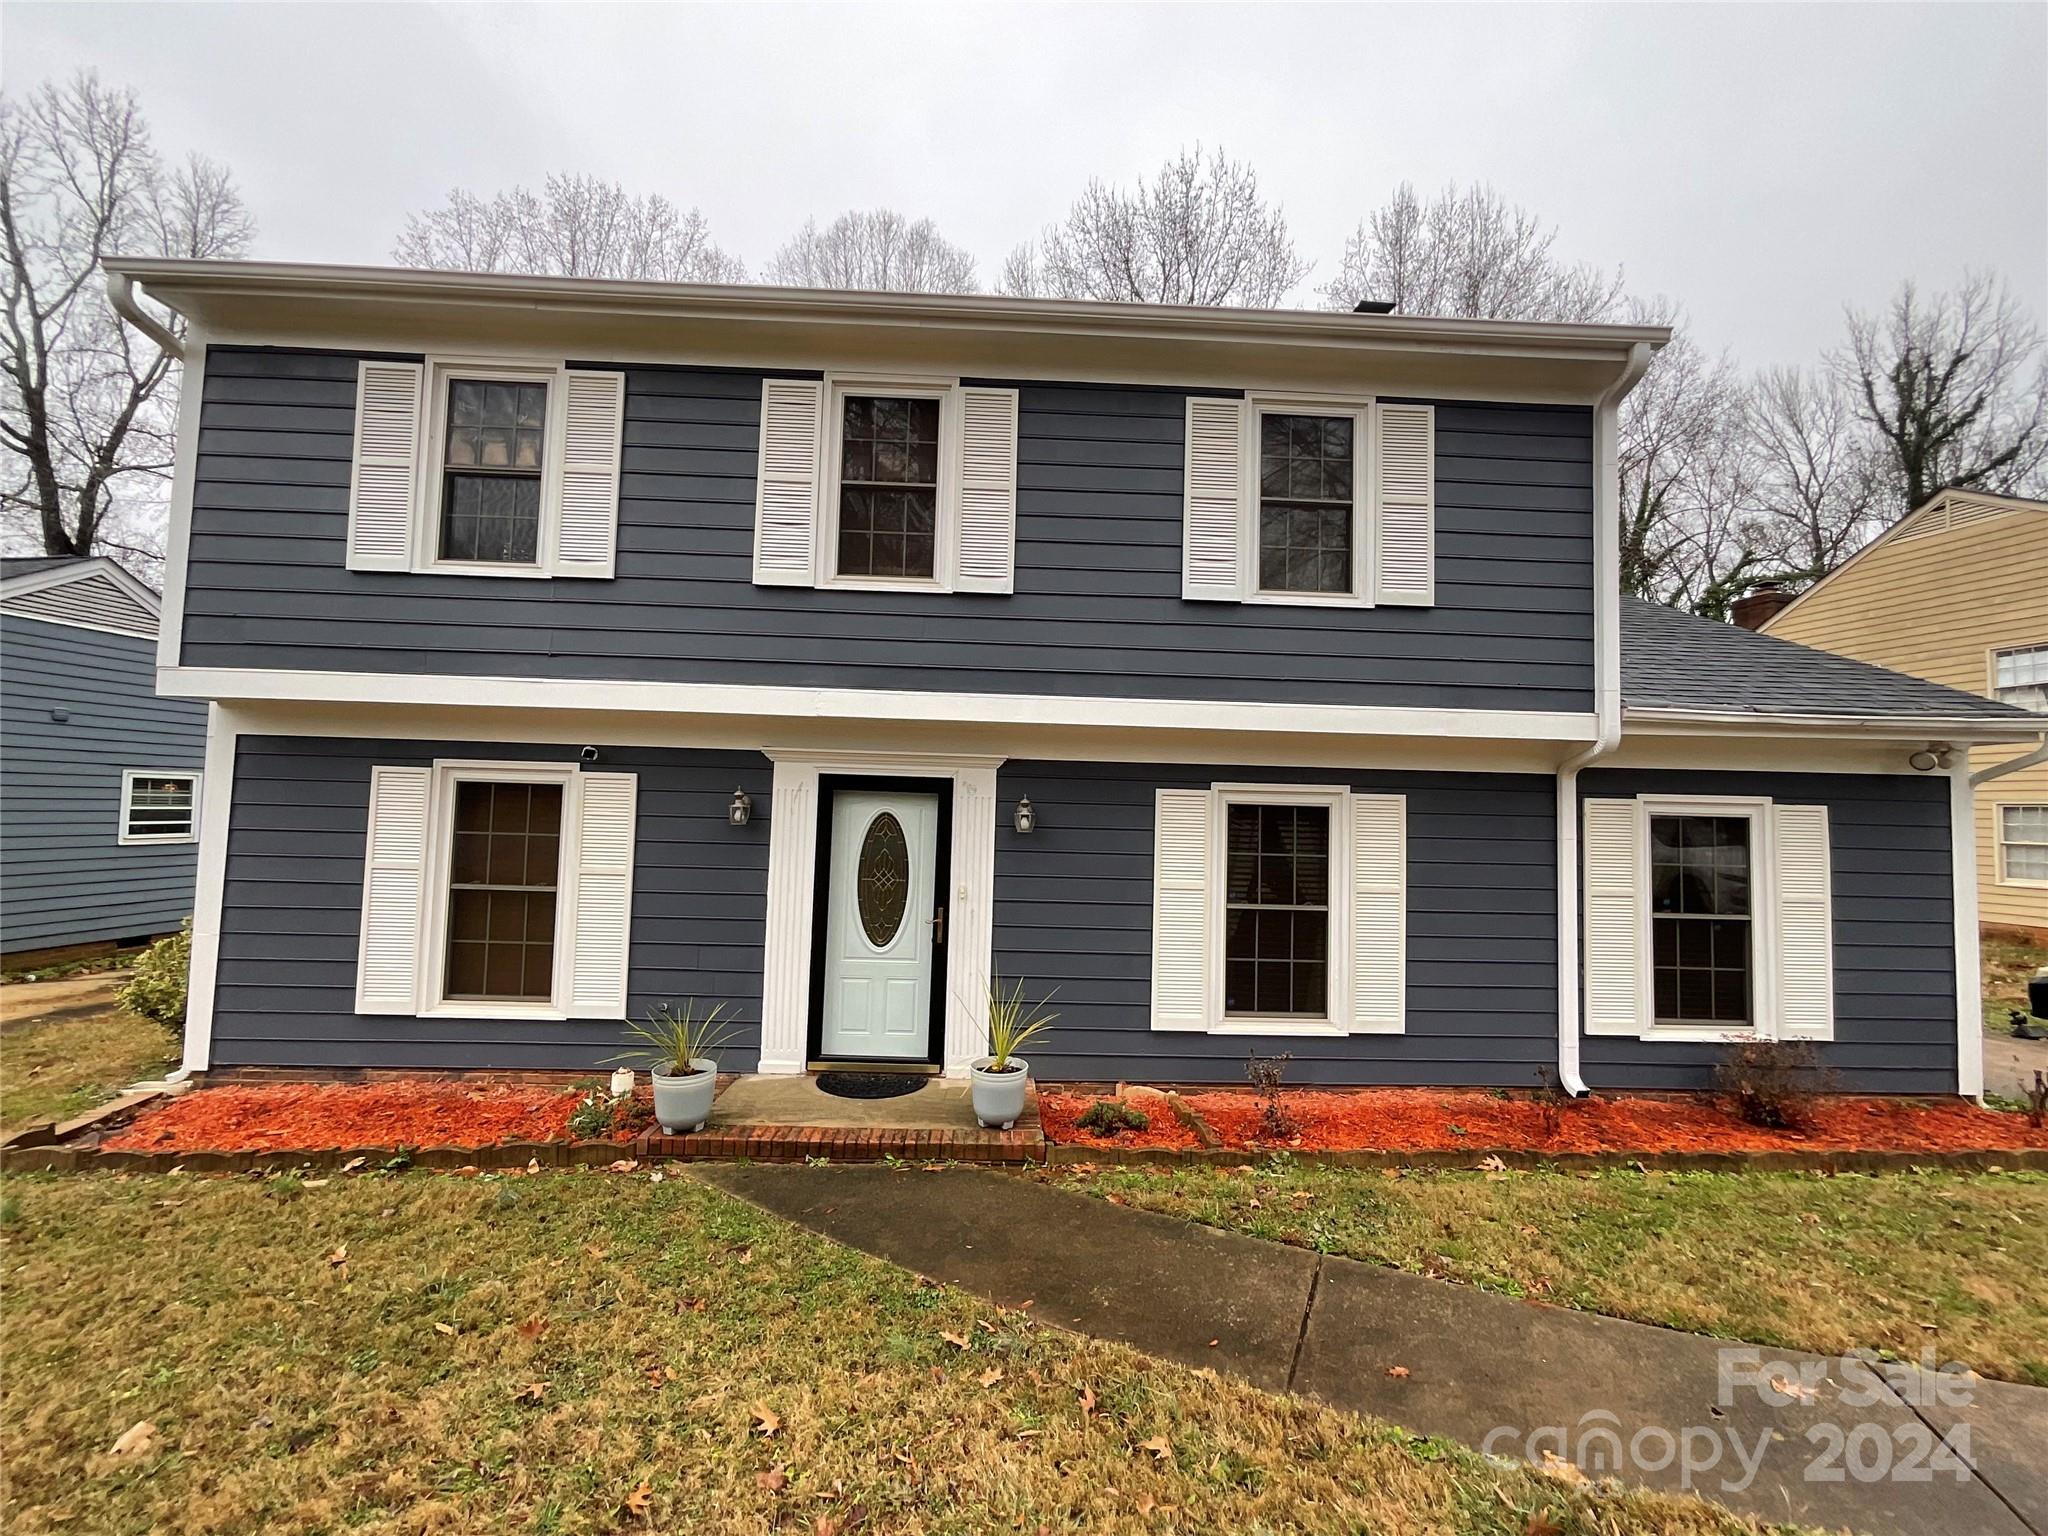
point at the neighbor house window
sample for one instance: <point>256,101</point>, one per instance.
<point>1276,911</point>
<point>503,870</point>
<point>159,807</point>
<point>2021,677</point>
<point>491,467</point>
<point>1700,893</point>
<point>2023,844</point>
<point>888,487</point>
<point>1307,503</point>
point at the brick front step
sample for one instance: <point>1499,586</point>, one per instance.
<point>846,1144</point>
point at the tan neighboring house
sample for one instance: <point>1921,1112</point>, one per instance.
<point>1956,593</point>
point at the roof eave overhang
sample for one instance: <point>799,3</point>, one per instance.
<point>1973,730</point>
<point>761,326</point>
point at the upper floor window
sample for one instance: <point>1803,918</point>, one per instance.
<point>888,487</point>
<point>1306,504</point>
<point>2020,676</point>
<point>491,465</point>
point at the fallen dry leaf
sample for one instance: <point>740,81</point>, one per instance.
<point>991,1376</point>
<point>353,1164</point>
<point>1799,1390</point>
<point>773,1480</point>
<point>1398,1372</point>
<point>1556,1466</point>
<point>444,1328</point>
<point>533,1328</point>
<point>533,1165</point>
<point>957,1340</point>
<point>1494,1163</point>
<point>623,1165</point>
<point>338,1255</point>
<point>137,1440</point>
<point>1158,1445</point>
<point>766,1420</point>
<point>1087,1401</point>
<point>593,1250</point>
<point>1542,1523</point>
<point>641,1499</point>
<point>532,1392</point>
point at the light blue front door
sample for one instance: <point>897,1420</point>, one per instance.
<point>878,926</point>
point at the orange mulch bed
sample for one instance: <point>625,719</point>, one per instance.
<point>303,1115</point>
<point>1413,1120</point>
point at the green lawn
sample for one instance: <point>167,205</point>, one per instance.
<point>54,1069</point>
<point>536,1354</point>
<point>1896,1262</point>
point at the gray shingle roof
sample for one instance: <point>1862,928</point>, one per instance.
<point>1673,660</point>
<point>28,565</point>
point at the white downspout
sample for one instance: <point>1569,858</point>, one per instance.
<point>2014,765</point>
<point>1606,704</point>
<point>121,294</point>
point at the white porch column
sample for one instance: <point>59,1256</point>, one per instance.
<point>792,873</point>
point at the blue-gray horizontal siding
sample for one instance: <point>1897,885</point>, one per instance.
<point>1894,932</point>
<point>1074,918</point>
<point>67,878</point>
<point>292,909</point>
<point>1097,608</point>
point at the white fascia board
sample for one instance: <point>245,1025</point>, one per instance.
<point>866,704</point>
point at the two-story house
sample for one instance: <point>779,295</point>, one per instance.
<point>1243,679</point>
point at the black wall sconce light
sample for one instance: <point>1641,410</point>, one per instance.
<point>1026,818</point>
<point>741,811</point>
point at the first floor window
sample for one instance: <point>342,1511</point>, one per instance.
<point>491,465</point>
<point>1700,919</point>
<point>503,870</point>
<point>159,807</point>
<point>1306,502</point>
<point>1276,901</point>
<point>2023,843</point>
<point>888,487</point>
<point>2021,677</point>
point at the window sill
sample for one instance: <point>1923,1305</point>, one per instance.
<point>156,842</point>
<point>482,568</point>
<point>487,1010</point>
<point>879,584</point>
<point>1278,1026</point>
<point>1308,599</point>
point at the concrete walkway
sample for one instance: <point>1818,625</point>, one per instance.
<point>2010,1065</point>
<point>1471,1366</point>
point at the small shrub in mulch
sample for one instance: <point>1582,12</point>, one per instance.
<point>1112,1117</point>
<point>1774,1084</point>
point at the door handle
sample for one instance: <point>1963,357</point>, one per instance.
<point>939,927</point>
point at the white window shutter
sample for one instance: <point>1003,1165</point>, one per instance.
<point>383,491</point>
<point>593,424</point>
<point>1183,827</point>
<point>1404,548</point>
<point>1805,922</point>
<point>394,893</point>
<point>1379,913</point>
<point>1617,970</point>
<point>601,938</point>
<point>988,491</point>
<point>1212,540</point>
<point>786,496</point>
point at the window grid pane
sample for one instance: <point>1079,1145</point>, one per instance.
<point>1700,925</point>
<point>1276,951</point>
<point>888,487</point>
<point>159,806</point>
<point>492,459</point>
<point>1306,503</point>
<point>2021,677</point>
<point>2023,841</point>
<point>503,868</point>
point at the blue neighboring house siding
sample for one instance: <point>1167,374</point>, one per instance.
<point>1097,609</point>
<point>67,878</point>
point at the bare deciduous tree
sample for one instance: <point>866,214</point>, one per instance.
<point>1470,254</point>
<point>878,250</point>
<point>86,409</point>
<point>1956,385</point>
<point>574,226</point>
<point>1197,233</point>
<point>1818,475</point>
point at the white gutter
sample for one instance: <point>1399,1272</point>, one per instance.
<point>2000,770</point>
<point>1606,701</point>
<point>121,294</point>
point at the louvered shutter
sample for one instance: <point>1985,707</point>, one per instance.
<point>1212,541</point>
<point>786,498</point>
<point>1379,913</point>
<point>1183,826</point>
<point>394,893</point>
<point>603,913</point>
<point>1616,967</point>
<point>1805,922</point>
<point>1404,551</point>
<point>988,490</point>
<point>383,492</point>
<point>593,419</point>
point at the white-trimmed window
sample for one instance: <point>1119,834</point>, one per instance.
<point>499,890</point>
<point>1708,918</point>
<point>486,467</point>
<point>2022,844</point>
<point>1279,909</point>
<point>882,483</point>
<point>1310,500</point>
<point>2020,676</point>
<point>159,805</point>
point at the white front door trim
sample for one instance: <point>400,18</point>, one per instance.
<point>792,898</point>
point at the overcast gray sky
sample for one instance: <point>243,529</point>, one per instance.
<point>1761,164</point>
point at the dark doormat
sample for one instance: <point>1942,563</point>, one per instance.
<point>870,1085</point>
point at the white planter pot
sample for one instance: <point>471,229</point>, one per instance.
<point>999,1096</point>
<point>622,1082</point>
<point>684,1103</point>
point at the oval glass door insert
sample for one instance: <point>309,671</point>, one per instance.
<point>882,879</point>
